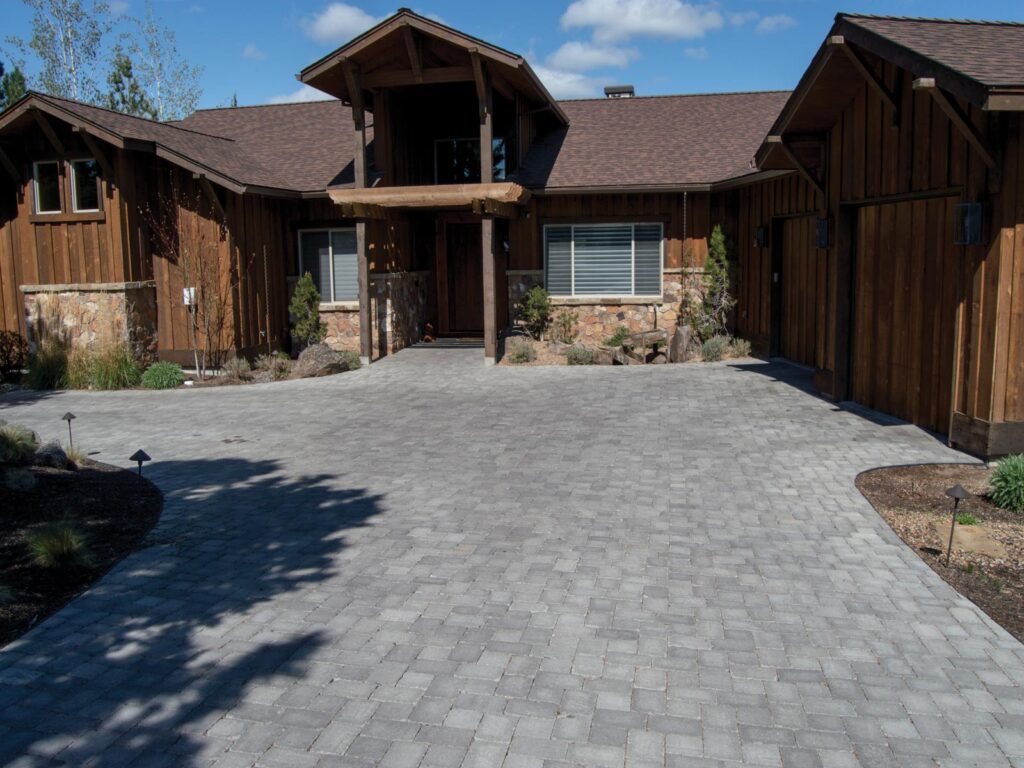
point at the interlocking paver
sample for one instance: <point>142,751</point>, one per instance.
<point>432,563</point>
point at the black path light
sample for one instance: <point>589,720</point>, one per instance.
<point>69,417</point>
<point>957,494</point>
<point>140,456</point>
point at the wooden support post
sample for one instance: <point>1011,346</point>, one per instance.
<point>355,94</point>
<point>365,327</point>
<point>868,74</point>
<point>490,302</point>
<point>798,166</point>
<point>960,120</point>
<point>47,129</point>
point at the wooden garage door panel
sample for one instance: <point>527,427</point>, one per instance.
<point>905,310</point>
<point>803,293</point>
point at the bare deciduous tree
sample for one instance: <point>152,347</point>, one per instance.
<point>186,232</point>
<point>170,83</point>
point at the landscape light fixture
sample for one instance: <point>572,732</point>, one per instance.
<point>957,494</point>
<point>68,417</point>
<point>139,456</point>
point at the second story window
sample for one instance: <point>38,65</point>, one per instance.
<point>46,182</point>
<point>457,161</point>
<point>85,187</point>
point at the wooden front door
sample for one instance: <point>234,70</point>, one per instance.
<point>904,310</point>
<point>802,293</point>
<point>465,278</point>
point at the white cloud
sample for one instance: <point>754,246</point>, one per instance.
<point>119,7</point>
<point>613,20</point>
<point>338,23</point>
<point>743,17</point>
<point>699,54</point>
<point>579,57</point>
<point>567,85</point>
<point>303,94</point>
<point>775,23</point>
<point>252,52</point>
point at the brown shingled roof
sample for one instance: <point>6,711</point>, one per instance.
<point>989,52</point>
<point>653,141</point>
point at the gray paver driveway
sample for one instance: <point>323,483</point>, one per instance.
<point>432,563</point>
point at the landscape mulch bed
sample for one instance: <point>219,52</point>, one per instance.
<point>114,508</point>
<point>912,499</point>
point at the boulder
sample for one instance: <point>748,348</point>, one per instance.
<point>51,455</point>
<point>679,346</point>
<point>319,360</point>
<point>17,479</point>
<point>603,356</point>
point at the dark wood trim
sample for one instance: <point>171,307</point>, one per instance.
<point>960,120</point>
<point>776,277</point>
<point>905,197</point>
<point>412,49</point>
<point>10,167</point>
<point>872,80</point>
<point>845,246</point>
<point>782,143</point>
<point>429,76</point>
<point>987,440</point>
<point>67,218</point>
<point>493,208</point>
<point>48,132</point>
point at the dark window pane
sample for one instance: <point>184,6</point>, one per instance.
<point>87,196</point>
<point>316,259</point>
<point>47,188</point>
<point>458,161</point>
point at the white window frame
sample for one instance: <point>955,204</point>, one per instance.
<point>73,176</point>
<point>572,258</point>
<point>35,187</point>
<point>330,246</point>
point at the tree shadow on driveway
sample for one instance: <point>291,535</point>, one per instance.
<point>221,600</point>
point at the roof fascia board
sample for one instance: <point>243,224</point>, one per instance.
<point>619,189</point>
<point>751,178</point>
<point>35,101</point>
<point>177,159</point>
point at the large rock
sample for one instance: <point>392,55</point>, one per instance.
<point>17,479</point>
<point>51,455</point>
<point>679,346</point>
<point>319,360</point>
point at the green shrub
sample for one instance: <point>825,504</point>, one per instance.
<point>1007,491</point>
<point>966,518</point>
<point>352,358</point>
<point>304,308</point>
<point>13,353</point>
<point>236,369</point>
<point>617,338</point>
<point>739,348</point>
<point>521,351</point>
<point>715,348</point>
<point>76,456</point>
<point>60,546</point>
<point>17,444</point>
<point>112,367</point>
<point>579,356</point>
<point>564,326</point>
<point>49,368</point>
<point>163,376</point>
<point>534,310</point>
<point>278,366</point>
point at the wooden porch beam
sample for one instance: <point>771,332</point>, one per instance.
<point>485,207</point>
<point>47,129</point>
<point>868,74</point>
<point>429,76</point>
<point>412,48</point>
<point>799,166</point>
<point>355,91</point>
<point>959,119</point>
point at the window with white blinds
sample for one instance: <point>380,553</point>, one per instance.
<point>329,255</point>
<point>603,259</point>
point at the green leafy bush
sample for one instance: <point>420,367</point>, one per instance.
<point>739,348</point>
<point>534,310</point>
<point>163,376</point>
<point>279,366</point>
<point>564,326</point>
<point>111,367</point>
<point>17,444</point>
<point>521,351</point>
<point>305,311</point>
<point>49,368</point>
<point>966,518</point>
<point>714,349</point>
<point>579,356</point>
<point>1007,491</point>
<point>60,546</point>
<point>13,353</point>
<point>616,339</point>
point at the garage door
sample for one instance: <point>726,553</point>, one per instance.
<point>802,294</point>
<point>904,310</point>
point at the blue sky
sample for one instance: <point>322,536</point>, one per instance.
<point>255,47</point>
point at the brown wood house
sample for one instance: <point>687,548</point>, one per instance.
<point>876,212</point>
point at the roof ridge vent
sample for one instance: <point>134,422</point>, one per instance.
<point>619,91</point>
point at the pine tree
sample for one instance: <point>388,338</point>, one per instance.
<point>305,311</point>
<point>125,94</point>
<point>12,86</point>
<point>234,100</point>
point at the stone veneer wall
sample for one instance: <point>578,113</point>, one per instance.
<point>597,321</point>
<point>90,315</point>
<point>398,309</point>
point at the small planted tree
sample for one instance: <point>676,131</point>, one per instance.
<point>706,306</point>
<point>304,308</point>
<point>534,310</point>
